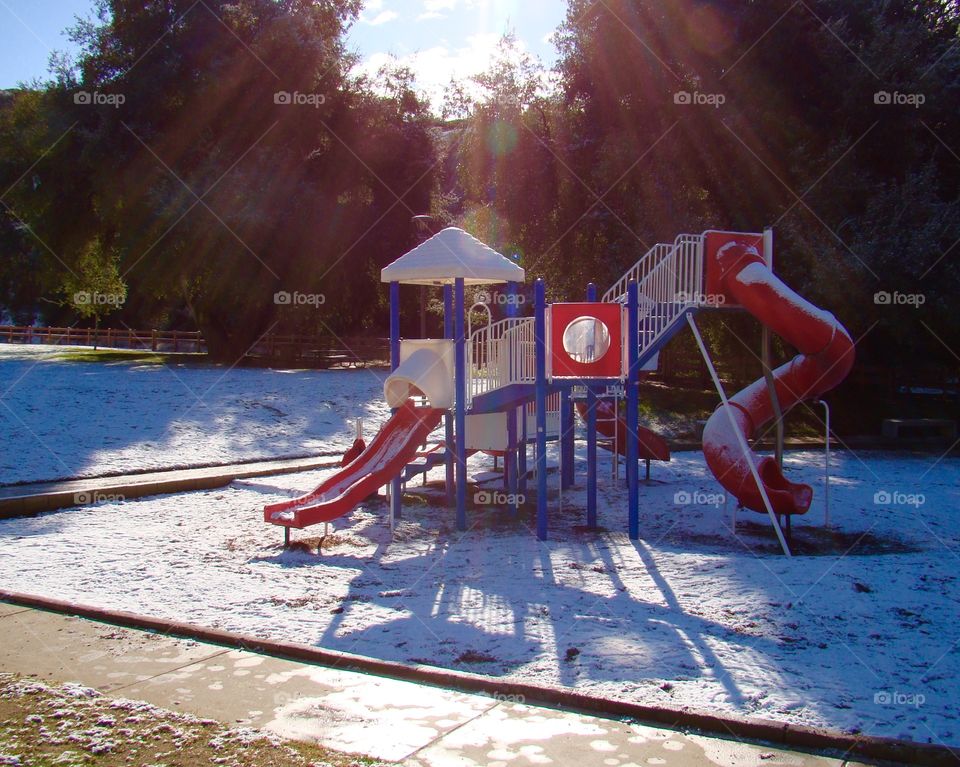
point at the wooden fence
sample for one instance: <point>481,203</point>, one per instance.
<point>112,338</point>
<point>321,351</point>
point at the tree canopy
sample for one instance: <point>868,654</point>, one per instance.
<point>223,154</point>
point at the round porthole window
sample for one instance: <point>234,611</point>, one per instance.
<point>586,339</point>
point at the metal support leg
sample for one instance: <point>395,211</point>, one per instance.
<point>744,447</point>
<point>567,436</point>
<point>591,458</point>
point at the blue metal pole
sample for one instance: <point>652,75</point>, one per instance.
<point>567,435</point>
<point>591,439</point>
<point>461,403</point>
<point>521,411</point>
<point>522,452</point>
<point>448,416</point>
<point>396,486</point>
<point>513,310</point>
<point>510,460</point>
<point>633,411</point>
<point>540,331</point>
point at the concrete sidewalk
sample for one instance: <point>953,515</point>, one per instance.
<point>387,719</point>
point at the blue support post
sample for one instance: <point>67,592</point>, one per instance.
<point>591,439</point>
<point>522,468</point>
<point>567,435</point>
<point>513,309</point>
<point>461,403</point>
<point>510,460</point>
<point>540,331</point>
<point>396,486</point>
<point>519,413</point>
<point>633,411</point>
<point>448,416</point>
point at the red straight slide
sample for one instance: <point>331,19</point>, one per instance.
<point>395,445</point>
<point>614,426</point>
<point>825,359</point>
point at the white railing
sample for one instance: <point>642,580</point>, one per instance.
<point>669,281</point>
<point>638,272</point>
<point>501,353</point>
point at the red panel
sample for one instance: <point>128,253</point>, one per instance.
<point>610,365</point>
<point>713,284</point>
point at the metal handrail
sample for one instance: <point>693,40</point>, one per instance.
<point>501,353</point>
<point>669,281</point>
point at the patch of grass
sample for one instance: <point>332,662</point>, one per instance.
<point>108,356</point>
<point>42,725</point>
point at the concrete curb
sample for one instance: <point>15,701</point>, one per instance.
<point>790,736</point>
<point>85,492</point>
<point>10,487</point>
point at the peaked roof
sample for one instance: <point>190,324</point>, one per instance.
<point>448,255</point>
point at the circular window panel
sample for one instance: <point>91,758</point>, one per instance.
<point>586,339</point>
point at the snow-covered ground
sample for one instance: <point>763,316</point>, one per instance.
<point>74,419</point>
<point>859,631</point>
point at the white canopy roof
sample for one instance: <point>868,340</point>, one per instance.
<point>448,255</point>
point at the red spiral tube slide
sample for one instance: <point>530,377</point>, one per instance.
<point>825,359</point>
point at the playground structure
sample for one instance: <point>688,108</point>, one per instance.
<point>518,381</point>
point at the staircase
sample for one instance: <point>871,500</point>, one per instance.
<point>669,281</point>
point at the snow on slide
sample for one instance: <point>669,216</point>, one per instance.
<point>613,426</point>
<point>825,359</point>
<point>394,446</point>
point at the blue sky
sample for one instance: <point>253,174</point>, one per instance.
<point>436,38</point>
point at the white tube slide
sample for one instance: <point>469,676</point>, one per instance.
<point>426,369</point>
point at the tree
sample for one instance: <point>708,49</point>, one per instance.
<point>225,154</point>
<point>94,288</point>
